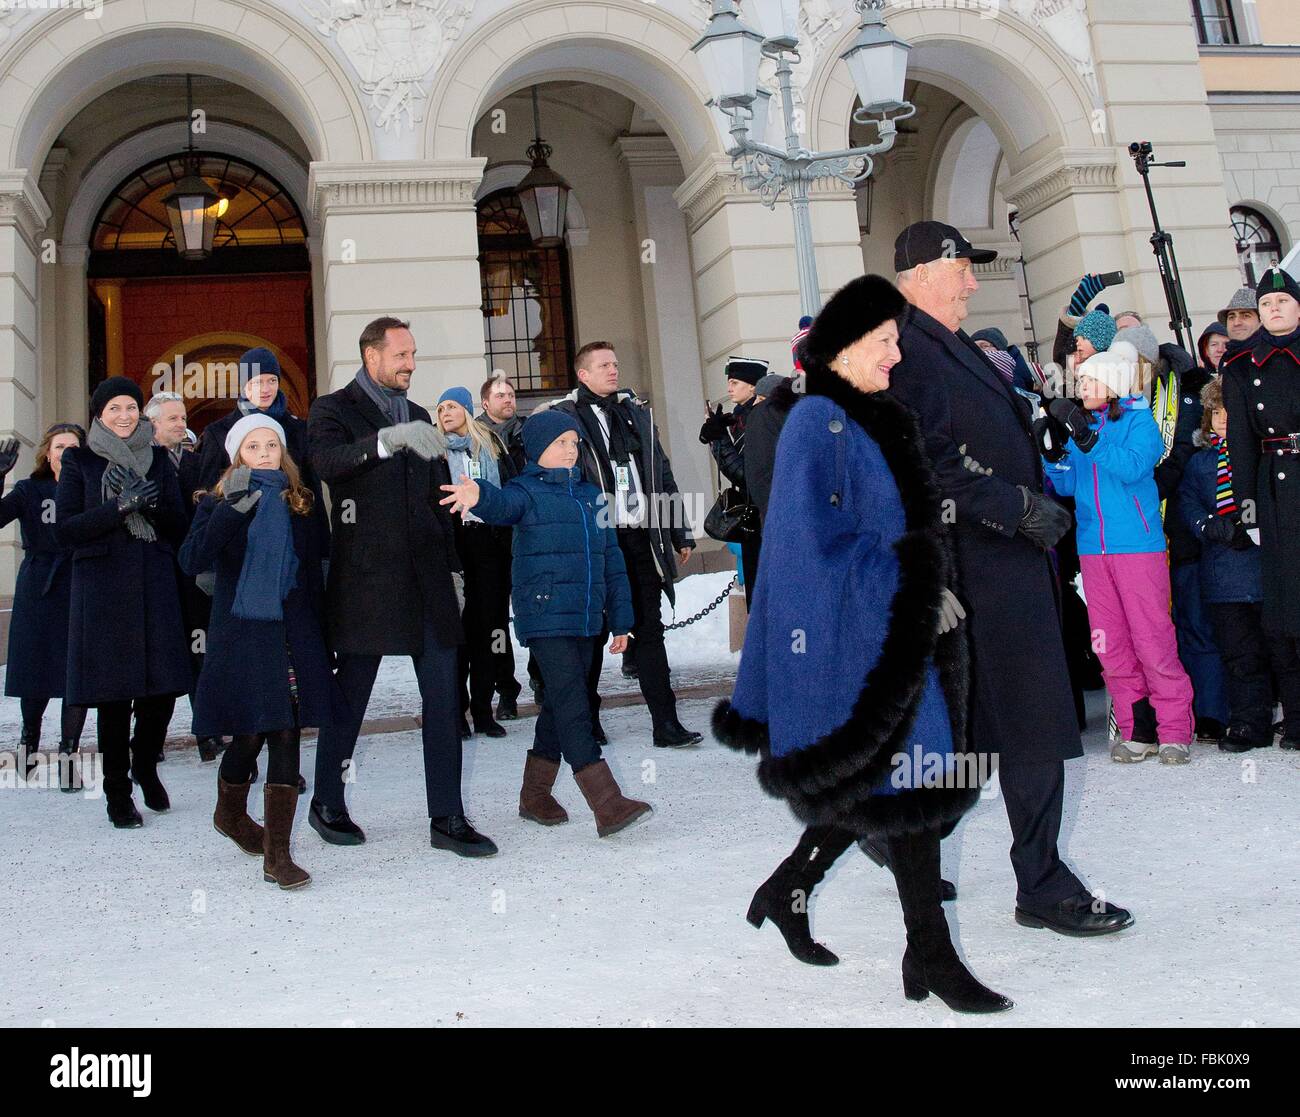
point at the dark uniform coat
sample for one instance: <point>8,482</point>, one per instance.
<point>126,638</point>
<point>1261,391</point>
<point>1021,704</point>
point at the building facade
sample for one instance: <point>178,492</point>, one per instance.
<point>367,152</point>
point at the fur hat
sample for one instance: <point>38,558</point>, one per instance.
<point>857,308</point>
<point>1098,328</point>
<point>1116,368</point>
<point>1243,298</point>
<point>111,388</point>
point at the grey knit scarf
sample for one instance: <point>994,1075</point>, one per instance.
<point>134,453</point>
<point>391,401</point>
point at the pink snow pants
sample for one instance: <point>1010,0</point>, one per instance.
<point>1133,636</point>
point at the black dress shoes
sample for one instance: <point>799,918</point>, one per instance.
<point>1080,916</point>
<point>457,834</point>
<point>334,825</point>
<point>122,812</point>
<point>488,727</point>
<point>676,736</point>
<point>1236,740</point>
<point>210,748</point>
<point>507,709</point>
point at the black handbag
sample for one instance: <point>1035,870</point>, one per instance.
<point>732,519</point>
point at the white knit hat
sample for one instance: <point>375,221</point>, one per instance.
<point>1116,368</point>
<point>240,431</point>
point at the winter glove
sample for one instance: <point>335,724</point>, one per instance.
<point>236,490</point>
<point>136,495</point>
<point>1090,286</point>
<point>421,438</point>
<point>716,426</point>
<point>458,584</point>
<point>970,463</point>
<point>1220,529</point>
<point>8,455</point>
<point>951,614</point>
<point>1051,435</point>
<point>1044,521</point>
<point>1073,417</point>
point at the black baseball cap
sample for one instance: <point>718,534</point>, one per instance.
<point>925,241</point>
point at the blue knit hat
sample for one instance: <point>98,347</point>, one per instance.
<point>1098,328</point>
<point>258,362</point>
<point>459,395</point>
<point>544,427</point>
<point>992,335</point>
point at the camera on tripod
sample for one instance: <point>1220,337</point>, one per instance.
<point>1139,147</point>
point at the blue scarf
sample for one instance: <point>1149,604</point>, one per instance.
<point>488,469</point>
<point>270,562</point>
<point>278,410</point>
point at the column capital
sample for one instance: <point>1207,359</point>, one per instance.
<point>712,182</point>
<point>22,205</point>
<point>404,186</point>
<point>1058,175</point>
<point>655,153</point>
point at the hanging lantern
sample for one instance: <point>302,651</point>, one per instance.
<point>193,208</point>
<point>543,194</point>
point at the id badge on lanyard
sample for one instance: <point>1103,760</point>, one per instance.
<point>623,478</point>
<point>475,469</point>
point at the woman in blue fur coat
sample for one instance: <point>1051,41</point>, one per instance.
<point>872,746</point>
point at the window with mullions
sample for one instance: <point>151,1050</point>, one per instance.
<point>526,300</point>
<point>1215,24</point>
<point>1258,246</point>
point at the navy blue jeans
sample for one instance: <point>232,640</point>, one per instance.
<point>564,725</point>
<point>436,673</point>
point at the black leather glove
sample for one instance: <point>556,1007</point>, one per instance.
<point>1051,435</point>
<point>1219,529</point>
<point>1073,417</point>
<point>716,426</point>
<point>136,495</point>
<point>8,455</point>
<point>1044,521</point>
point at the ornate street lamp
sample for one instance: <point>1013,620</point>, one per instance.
<point>543,194</point>
<point>730,53</point>
<point>193,206</point>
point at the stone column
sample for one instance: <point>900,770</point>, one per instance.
<point>677,385</point>
<point>401,238</point>
<point>746,285</point>
<point>23,215</point>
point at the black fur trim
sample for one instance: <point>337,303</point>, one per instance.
<point>832,780</point>
<point>854,311</point>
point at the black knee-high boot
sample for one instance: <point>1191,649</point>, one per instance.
<point>931,964</point>
<point>783,897</point>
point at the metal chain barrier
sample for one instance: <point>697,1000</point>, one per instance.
<point>707,609</point>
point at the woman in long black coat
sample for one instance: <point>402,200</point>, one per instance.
<point>1261,391</point>
<point>266,674</point>
<point>38,630</point>
<point>118,506</point>
<point>855,696</point>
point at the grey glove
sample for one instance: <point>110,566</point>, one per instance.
<point>951,614</point>
<point>1044,521</point>
<point>419,437</point>
<point>458,584</point>
<point>236,490</point>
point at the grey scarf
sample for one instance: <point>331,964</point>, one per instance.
<point>134,453</point>
<point>390,401</point>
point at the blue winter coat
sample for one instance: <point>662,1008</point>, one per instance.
<point>1227,574</point>
<point>1116,503</point>
<point>126,638</point>
<point>568,577</point>
<point>843,670</point>
<point>37,665</point>
<point>244,685</point>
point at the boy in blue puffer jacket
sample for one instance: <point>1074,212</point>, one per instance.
<point>1105,455</point>
<point>569,586</point>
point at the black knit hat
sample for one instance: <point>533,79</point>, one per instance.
<point>856,309</point>
<point>1277,279</point>
<point>111,388</point>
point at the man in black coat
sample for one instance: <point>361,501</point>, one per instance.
<point>622,457</point>
<point>978,436</point>
<point>391,587</point>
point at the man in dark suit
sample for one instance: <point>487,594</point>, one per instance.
<point>978,435</point>
<point>391,587</point>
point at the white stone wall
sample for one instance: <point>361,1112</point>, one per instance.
<point>1259,145</point>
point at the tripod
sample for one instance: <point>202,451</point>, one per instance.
<point>1162,244</point>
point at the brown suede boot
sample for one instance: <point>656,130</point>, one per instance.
<point>231,817</point>
<point>536,802</point>
<point>612,809</point>
<point>277,866</point>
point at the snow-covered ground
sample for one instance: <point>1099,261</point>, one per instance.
<point>171,925</point>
